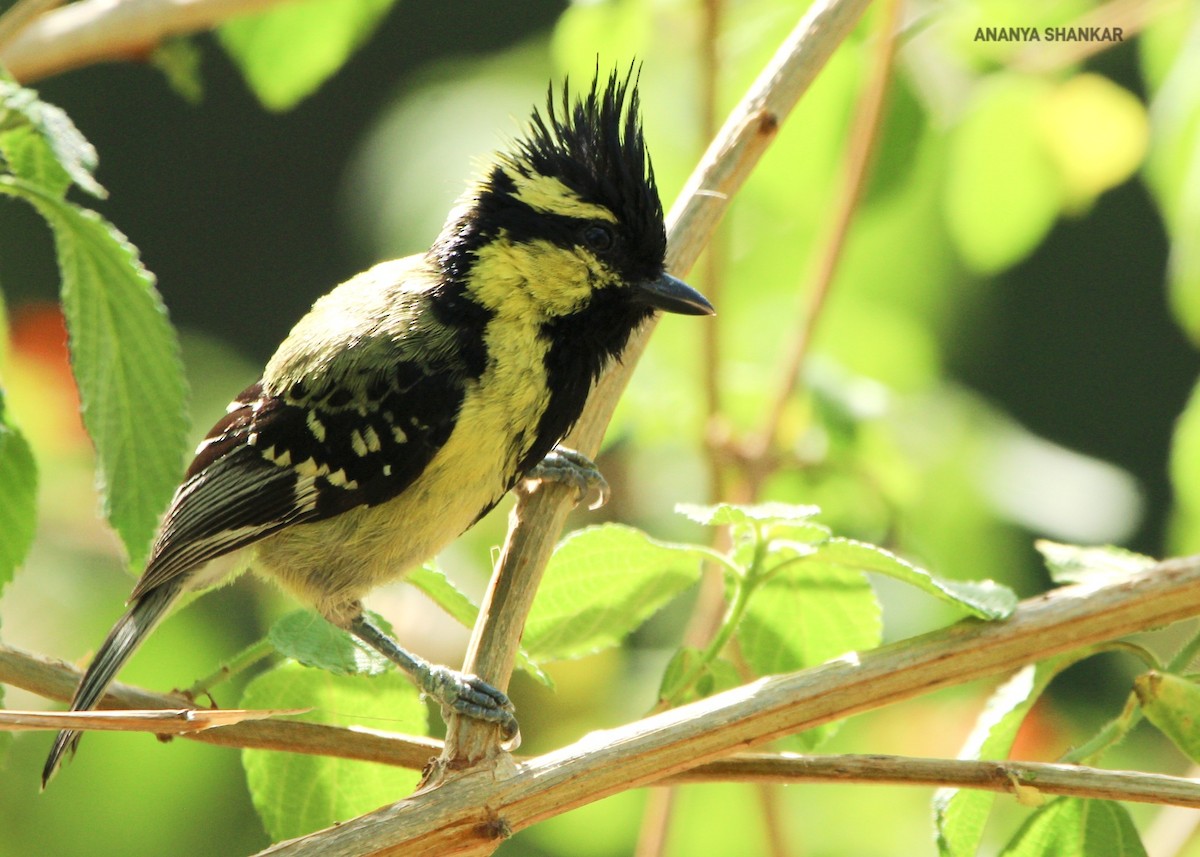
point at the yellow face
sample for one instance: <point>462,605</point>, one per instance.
<point>537,278</point>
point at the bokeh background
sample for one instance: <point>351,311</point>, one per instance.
<point>1004,356</point>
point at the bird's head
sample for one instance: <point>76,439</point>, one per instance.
<point>569,220</point>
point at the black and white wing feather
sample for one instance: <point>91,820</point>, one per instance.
<point>274,461</point>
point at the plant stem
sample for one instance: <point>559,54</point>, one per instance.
<point>864,136</point>
<point>244,659</point>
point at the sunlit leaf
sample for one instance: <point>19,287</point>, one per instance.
<point>960,814</point>
<point>715,676</point>
<point>304,636</point>
<point>1172,703</point>
<point>442,591</point>
<point>125,356</point>
<point>1075,564</point>
<point>28,156</point>
<point>602,583</point>
<point>1173,173</point>
<point>297,793</point>
<point>1184,465</point>
<point>733,513</point>
<point>1074,826</point>
<point>18,494</point>
<point>288,51</point>
<point>1095,132</point>
<point>807,612</point>
<point>22,107</point>
<point>983,598</point>
<point>179,61</point>
<point>1003,192</point>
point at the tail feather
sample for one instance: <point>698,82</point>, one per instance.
<point>118,646</point>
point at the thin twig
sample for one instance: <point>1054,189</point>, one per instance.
<point>467,814</point>
<point>53,679</point>
<point>92,31</point>
<point>1002,776</point>
<point>20,15</point>
<point>160,721</point>
<point>864,136</point>
<point>714,265</point>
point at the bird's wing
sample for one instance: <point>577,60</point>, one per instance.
<point>271,462</point>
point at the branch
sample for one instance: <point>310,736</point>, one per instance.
<point>722,171</point>
<point>1017,778</point>
<point>45,677</point>
<point>470,814</point>
<point>56,680</point>
<point>863,140</point>
<point>92,31</point>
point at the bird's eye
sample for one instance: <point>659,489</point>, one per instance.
<point>597,237</point>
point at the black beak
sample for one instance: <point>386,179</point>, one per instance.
<point>671,295</point>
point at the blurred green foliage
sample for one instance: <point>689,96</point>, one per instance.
<point>1003,355</point>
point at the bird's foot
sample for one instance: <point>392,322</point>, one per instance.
<point>569,467</point>
<point>470,696</point>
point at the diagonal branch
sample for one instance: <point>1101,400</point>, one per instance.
<point>42,676</point>
<point>471,813</point>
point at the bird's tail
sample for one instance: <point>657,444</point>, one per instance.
<point>116,649</point>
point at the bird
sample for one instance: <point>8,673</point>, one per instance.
<point>410,399</point>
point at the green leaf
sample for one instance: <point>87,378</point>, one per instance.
<point>1172,704</point>
<point>1185,464</point>
<point>297,793</point>
<point>718,675</point>
<point>6,737</point>
<point>1073,827</point>
<point>29,157</point>
<point>1105,564</point>
<point>179,61</point>
<point>1002,191</point>
<point>1173,167</point>
<point>602,583</point>
<point>287,52</point>
<point>442,591</point>
<point>18,495</point>
<point>20,106</point>
<point>306,637</point>
<point>984,599</point>
<point>125,357</point>
<point>805,613</point>
<point>960,814</point>
<point>1096,134</point>
<point>732,513</point>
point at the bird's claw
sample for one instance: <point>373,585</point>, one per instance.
<point>570,467</point>
<point>471,696</point>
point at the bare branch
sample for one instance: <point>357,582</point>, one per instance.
<point>56,680</point>
<point>92,31</point>
<point>1019,778</point>
<point>864,138</point>
<point>36,674</point>
<point>468,814</point>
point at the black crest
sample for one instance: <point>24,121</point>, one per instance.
<point>596,147</point>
